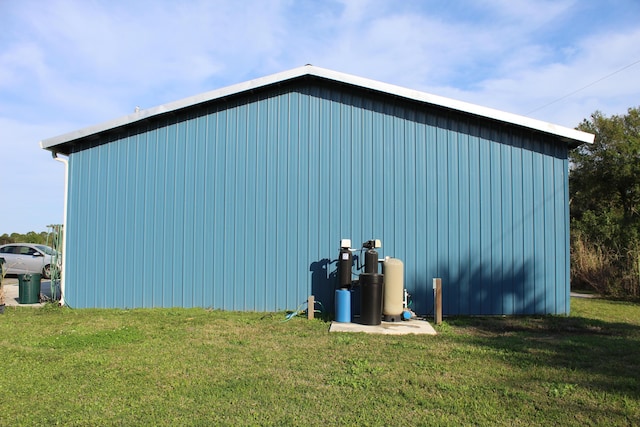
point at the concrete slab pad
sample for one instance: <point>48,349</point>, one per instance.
<point>413,326</point>
<point>12,291</point>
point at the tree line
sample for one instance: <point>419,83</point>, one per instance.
<point>604,187</point>
<point>31,237</point>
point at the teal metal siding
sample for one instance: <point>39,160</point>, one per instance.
<point>240,205</point>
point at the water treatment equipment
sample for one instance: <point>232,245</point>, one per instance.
<point>343,292</point>
<point>393,300</point>
<point>371,286</point>
<point>371,255</point>
<point>343,305</point>
<point>345,261</point>
<point>371,298</point>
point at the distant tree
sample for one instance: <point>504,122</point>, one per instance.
<point>30,237</point>
<point>604,185</point>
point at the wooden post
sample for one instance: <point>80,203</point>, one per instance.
<point>437,283</point>
<point>311,305</point>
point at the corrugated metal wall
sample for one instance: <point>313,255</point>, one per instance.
<point>241,205</point>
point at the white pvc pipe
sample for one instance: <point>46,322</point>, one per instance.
<point>64,224</point>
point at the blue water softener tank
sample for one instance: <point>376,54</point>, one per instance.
<point>343,305</point>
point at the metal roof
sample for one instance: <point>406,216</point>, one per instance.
<point>572,136</point>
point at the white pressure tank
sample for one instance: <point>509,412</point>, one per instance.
<point>392,303</point>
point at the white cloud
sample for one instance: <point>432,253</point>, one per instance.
<point>32,182</point>
<point>528,88</point>
<point>112,50</point>
<point>18,62</point>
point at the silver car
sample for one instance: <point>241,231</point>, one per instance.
<point>22,258</point>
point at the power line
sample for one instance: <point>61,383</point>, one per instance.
<point>584,87</point>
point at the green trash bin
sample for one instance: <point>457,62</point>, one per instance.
<point>29,288</point>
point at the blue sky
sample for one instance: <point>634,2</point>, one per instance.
<point>65,65</point>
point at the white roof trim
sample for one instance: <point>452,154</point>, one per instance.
<point>572,134</point>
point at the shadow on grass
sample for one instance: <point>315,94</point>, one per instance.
<point>601,356</point>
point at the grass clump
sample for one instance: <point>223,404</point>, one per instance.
<point>202,367</point>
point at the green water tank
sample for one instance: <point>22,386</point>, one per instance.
<point>29,288</point>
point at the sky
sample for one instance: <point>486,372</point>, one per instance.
<point>66,65</point>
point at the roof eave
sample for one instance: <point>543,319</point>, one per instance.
<point>573,136</point>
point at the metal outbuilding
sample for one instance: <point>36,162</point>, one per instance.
<point>237,199</point>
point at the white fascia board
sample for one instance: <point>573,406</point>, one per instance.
<point>465,107</point>
<point>172,106</point>
<point>477,110</point>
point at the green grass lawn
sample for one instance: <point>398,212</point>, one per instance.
<point>200,367</point>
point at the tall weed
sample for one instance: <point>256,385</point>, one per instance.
<point>606,270</point>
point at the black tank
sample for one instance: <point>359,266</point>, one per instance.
<point>371,298</point>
